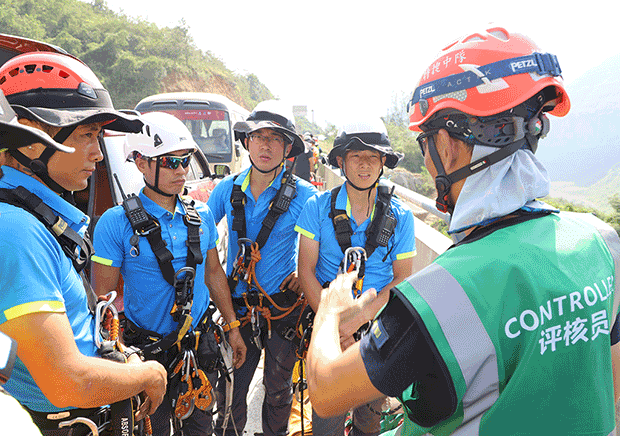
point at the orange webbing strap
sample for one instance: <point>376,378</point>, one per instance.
<point>255,257</point>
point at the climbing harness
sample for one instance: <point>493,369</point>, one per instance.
<point>189,386</point>
<point>258,302</point>
<point>145,225</point>
<point>380,229</point>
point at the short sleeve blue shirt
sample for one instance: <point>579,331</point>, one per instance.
<point>279,255</point>
<point>147,296</point>
<point>316,224</point>
<point>37,276</point>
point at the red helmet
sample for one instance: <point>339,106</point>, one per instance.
<point>485,74</point>
<point>61,91</point>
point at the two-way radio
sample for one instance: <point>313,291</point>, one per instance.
<point>285,194</point>
<point>384,226</point>
<point>133,208</point>
<point>141,222</point>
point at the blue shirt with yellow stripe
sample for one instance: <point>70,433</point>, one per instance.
<point>147,296</point>
<point>316,224</point>
<point>38,277</point>
<point>279,255</point>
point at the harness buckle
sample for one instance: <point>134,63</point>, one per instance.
<point>153,226</point>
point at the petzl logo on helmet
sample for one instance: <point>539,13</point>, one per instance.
<point>427,90</point>
<point>528,63</point>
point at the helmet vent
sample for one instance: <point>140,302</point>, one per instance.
<point>2,80</point>
<point>46,68</point>
<point>474,38</point>
<point>14,72</point>
<point>30,68</point>
<point>63,74</point>
<point>499,33</point>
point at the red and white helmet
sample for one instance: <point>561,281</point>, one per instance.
<point>484,74</point>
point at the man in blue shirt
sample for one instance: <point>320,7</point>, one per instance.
<point>162,152</point>
<point>43,303</point>
<point>267,273</point>
<point>361,150</point>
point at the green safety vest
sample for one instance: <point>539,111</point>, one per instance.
<point>522,319</point>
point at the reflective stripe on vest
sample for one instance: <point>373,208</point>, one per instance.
<point>479,387</point>
<point>612,240</point>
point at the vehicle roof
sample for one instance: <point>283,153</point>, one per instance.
<point>182,97</point>
<point>11,46</point>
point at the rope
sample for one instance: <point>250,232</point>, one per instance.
<point>255,257</point>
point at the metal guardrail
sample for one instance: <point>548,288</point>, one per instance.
<point>429,242</point>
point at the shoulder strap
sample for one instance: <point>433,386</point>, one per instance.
<point>237,199</point>
<point>193,221</point>
<point>78,249</point>
<point>276,208</point>
<point>340,221</point>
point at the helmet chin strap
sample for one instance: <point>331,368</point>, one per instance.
<point>357,188</point>
<point>443,181</point>
<point>271,170</point>
<point>155,188</point>
<point>38,166</point>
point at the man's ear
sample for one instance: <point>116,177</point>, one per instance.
<point>340,161</point>
<point>142,164</point>
<point>454,153</point>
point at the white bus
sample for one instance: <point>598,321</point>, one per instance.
<point>210,118</point>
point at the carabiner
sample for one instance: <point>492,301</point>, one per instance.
<point>100,310</point>
<point>81,420</point>
<point>357,257</point>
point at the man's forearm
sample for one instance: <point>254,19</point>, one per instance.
<point>324,348</point>
<point>312,289</point>
<point>218,285</point>
<point>94,382</point>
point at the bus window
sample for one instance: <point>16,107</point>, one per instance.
<point>210,129</point>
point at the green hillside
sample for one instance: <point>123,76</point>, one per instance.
<point>132,57</point>
<point>596,195</point>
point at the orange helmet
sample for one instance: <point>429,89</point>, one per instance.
<point>485,74</point>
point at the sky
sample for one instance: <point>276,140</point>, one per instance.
<point>348,59</point>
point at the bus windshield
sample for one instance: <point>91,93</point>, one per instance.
<point>210,129</point>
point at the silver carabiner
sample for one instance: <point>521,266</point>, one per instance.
<point>100,310</point>
<point>355,254</point>
<point>81,420</point>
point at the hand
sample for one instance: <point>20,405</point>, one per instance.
<point>155,391</point>
<point>238,345</point>
<point>352,313</point>
<point>291,282</point>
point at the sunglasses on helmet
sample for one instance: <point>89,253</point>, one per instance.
<point>172,162</point>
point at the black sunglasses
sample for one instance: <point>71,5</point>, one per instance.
<point>172,162</point>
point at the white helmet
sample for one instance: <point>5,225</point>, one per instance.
<point>161,134</point>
